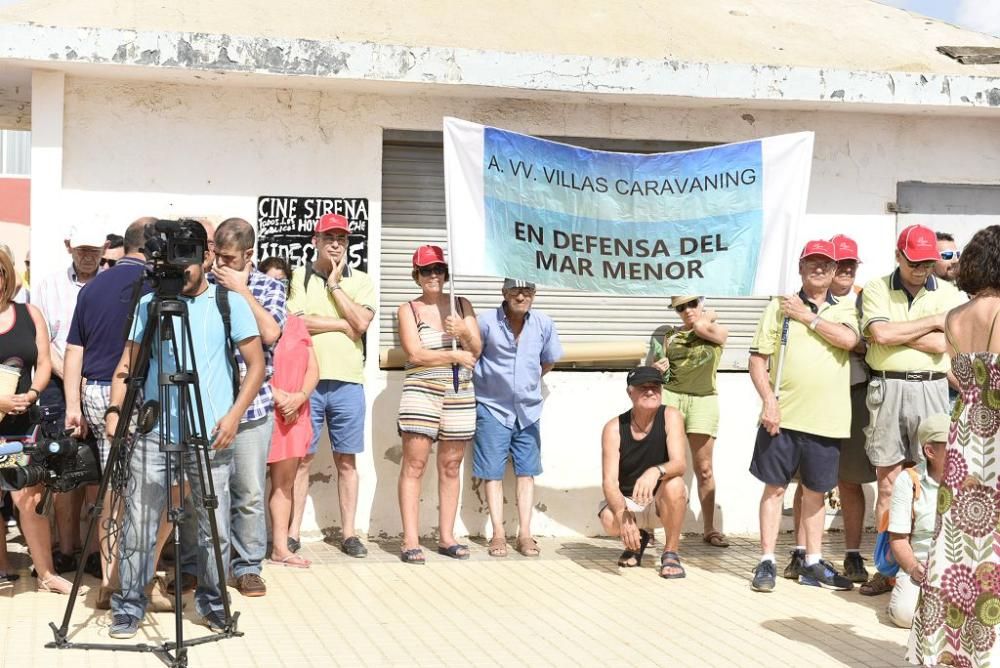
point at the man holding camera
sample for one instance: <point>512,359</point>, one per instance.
<point>222,413</point>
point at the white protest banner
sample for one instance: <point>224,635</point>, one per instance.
<point>715,221</point>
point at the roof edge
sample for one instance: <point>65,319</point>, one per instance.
<point>51,46</point>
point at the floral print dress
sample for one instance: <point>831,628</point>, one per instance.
<point>956,619</point>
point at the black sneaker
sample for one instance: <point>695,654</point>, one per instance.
<point>123,626</point>
<point>854,567</point>
<point>764,576</point>
<point>823,574</point>
<point>354,547</point>
<point>215,622</point>
<point>92,566</point>
<point>796,563</point>
<point>63,563</point>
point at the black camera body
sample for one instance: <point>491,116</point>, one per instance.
<point>54,459</point>
<point>171,247</point>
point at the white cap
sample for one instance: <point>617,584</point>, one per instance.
<point>87,235</point>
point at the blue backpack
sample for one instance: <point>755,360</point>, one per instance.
<point>885,562</point>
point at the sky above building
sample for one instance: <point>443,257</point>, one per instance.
<point>980,15</point>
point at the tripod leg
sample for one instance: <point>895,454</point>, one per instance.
<point>209,485</point>
<point>175,515</point>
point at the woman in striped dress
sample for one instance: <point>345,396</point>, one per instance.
<point>430,408</point>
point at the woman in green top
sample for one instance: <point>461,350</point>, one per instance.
<point>688,356</point>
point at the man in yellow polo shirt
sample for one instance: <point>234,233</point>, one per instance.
<point>337,304</point>
<point>806,412</point>
<point>903,320</point>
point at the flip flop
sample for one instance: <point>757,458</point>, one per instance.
<point>454,551</point>
<point>498,546</point>
<point>414,556</point>
<point>291,561</point>
<point>644,537</point>
<point>715,539</point>
<point>671,560</point>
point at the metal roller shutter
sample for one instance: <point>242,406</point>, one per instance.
<point>413,213</point>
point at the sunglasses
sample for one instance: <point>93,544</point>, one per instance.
<point>680,308</point>
<point>433,269</point>
<point>521,292</point>
<point>107,262</point>
<point>951,255</point>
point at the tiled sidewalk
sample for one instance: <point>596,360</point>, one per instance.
<point>571,606</point>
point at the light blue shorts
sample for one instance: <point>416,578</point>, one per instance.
<point>342,405</point>
<point>494,442</point>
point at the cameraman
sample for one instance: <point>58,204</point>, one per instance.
<point>144,509</point>
<point>24,342</point>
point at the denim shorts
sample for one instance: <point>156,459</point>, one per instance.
<point>342,405</point>
<point>494,442</point>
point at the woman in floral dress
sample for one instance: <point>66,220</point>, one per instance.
<point>959,610</point>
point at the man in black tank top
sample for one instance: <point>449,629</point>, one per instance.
<point>642,462</point>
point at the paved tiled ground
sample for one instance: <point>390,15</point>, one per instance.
<point>572,606</point>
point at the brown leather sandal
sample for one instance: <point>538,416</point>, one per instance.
<point>716,539</point>
<point>528,547</point>
<point>498,546</point>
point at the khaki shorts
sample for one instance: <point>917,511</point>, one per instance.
<point>897,406</point>
<point>647,519</point>
<point>701,414</point>
<point>854,464</point>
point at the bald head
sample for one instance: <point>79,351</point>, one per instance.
<point>135,235</point>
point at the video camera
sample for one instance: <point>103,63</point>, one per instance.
<point>172,246</point>
<point>47,455</point>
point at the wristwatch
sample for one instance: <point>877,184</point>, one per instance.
<point>815,323</point>
<point>331,288</point>
<point>112,409</point>
<point>662,469</point>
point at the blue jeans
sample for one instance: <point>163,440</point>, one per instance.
<point>148,497</point>
<point>246,488</point>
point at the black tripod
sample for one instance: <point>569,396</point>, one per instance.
<point>167,320</point>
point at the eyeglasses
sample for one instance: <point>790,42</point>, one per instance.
<point>438,269</point>
<point>680,308</point>
<point>521,292</point>
<point>951,255</point>
<point>107,262</point>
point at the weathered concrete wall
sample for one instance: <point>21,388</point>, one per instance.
<point>135,149</point>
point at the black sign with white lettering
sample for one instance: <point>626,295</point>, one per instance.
<point>285,227</point>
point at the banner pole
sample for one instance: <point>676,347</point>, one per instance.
<point>451,299</point>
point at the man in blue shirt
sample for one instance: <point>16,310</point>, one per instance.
<point>93,349</point>
<point>519,347</point>
<point>149,487</point>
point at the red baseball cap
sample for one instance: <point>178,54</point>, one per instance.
<point>332,222</point>
<point>427,255</point>
<point>819,247</point>
<point>918,244</point>
<point>845,248</point>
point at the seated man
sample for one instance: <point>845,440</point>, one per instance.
<point>642,462</point>
<point>911,521</point>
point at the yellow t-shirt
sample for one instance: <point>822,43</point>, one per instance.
<point>885,300</point>
<point>815,393</point>
<point>339,357</point>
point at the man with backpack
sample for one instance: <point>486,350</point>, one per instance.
<point>234,271</point>
<point>911,517</point>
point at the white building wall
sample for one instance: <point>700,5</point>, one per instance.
<point>134,149</point>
